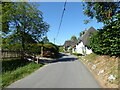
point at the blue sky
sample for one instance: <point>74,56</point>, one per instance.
<point>72,21</point>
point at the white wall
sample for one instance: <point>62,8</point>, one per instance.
<point>88,51</point>
<point>80,48</point>
<point>73,50</point>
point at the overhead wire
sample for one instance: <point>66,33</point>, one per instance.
<point>64,8</point>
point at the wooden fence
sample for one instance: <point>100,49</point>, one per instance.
<point>5,54</point>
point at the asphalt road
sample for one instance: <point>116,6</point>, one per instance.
<point>67,72</point>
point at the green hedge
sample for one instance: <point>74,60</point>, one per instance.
<point>107,40</point>
<point>52,48</point>
<point>34,48</point>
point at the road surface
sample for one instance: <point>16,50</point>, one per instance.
<point>67,72</point>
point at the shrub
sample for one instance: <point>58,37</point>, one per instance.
<point>51,49</point>
<point>36,48</point>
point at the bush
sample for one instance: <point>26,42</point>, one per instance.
<point>36,48</point>
<point>51,50</point>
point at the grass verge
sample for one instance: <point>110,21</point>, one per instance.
<point>77,54</point>
<point>12,75</point>
<point>91,56</point>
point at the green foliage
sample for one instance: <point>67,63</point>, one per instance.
<point>18,73</point>
<point>16,46</point>
<point>61,49</point>
<point>24,21</point>
<point>12,64</point>
<point>102,11</point>
<point>74,38</point>
<point>13,42</point>
<point>34,48</point>
<point>52,48</point>
<point>87,21</point>
<point>45,40</point>
<point>91,57</point>
<point>7,12</point>
<point>77,54</point>
<point>70,50</point>
<point>106,41</point>
<point>82,33</point>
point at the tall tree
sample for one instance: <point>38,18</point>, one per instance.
<point>74,38</point>
<point>23,19</point>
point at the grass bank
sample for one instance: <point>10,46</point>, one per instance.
<point>15,69</point>
<point>76,54</point>
<point>102,67</point>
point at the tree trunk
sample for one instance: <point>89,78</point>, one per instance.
<point>42,51</point>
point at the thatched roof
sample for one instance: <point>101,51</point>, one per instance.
<point>70,43</point>
<point>85,37</point>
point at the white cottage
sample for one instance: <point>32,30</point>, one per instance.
<point>82,49</point>
<point>69,45</point>
<point>82,45</point>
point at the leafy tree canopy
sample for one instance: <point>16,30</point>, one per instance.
<point>73,38</point>
<point>23,20</point>
<point>103,11</point>
<point>82,33</point>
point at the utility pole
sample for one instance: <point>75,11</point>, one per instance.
<point>54,40</point>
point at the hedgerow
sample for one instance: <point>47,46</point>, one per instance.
<point>107,40</point>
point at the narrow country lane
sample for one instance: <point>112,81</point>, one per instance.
<point>67,72</point>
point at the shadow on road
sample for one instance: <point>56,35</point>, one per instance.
<point>66,59</point>
<point>62,54</point>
